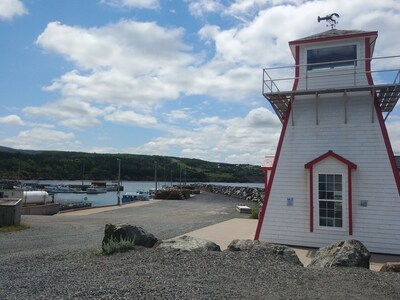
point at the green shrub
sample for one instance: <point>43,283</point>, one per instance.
<point>13,228</point>
<point>116,245</point>
<point>254,212</point>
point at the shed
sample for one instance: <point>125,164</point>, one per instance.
<point>10,212</point>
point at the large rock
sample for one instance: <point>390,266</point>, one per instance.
<point>126,231</point>
<point>350,253</point>
<point>188,243</point>
<point>282,251</point>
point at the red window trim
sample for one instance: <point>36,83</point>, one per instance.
<point>350,166</point>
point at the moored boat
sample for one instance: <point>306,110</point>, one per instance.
<point>138,196</point>
<point>96,189</point>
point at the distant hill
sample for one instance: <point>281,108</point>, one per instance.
<point>63,165</point>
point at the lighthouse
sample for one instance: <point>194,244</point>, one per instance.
<point>334,175</point>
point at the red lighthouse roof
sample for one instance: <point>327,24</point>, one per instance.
<point>335,34</point>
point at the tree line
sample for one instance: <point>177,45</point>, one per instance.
<point>63,165</point>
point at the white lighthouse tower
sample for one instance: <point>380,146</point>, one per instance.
<point>334,174</point>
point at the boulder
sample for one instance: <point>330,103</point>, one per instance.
<point>126,231</point>
<point>391,267</point>
<point>282,251</point>
<point>188,243</point>
<point>349,253</point>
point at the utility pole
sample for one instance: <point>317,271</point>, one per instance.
<point>155,174</point>
<point>83,173</point>
<point>119,182</point>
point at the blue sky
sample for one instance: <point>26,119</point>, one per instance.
<point>178,78</point>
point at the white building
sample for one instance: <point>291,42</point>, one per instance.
<point>334,175</point>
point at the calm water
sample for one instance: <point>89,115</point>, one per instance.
<point>110,198</point>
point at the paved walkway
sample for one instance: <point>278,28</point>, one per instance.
<point>96,210</point>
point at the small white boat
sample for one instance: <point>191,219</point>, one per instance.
<point>59,188</point>
<point>96,190</point>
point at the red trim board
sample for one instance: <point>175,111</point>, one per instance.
<point>380,117</point>
<point>332,38</point>
<point>311,200</point>
<point>267,189</point>
<point>330,153</point>
<point>350,166</point>
<point>297,69</point>
<point>271,177</point>
<point>350,200</point>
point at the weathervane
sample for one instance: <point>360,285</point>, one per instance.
<point>329,19</point>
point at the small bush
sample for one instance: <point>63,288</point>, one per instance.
<point>254,212</point>
<point>115,245</point>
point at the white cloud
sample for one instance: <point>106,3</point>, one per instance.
<point>149,4</point>
<point>11,8</point>
<point>71,113</point>
<point>42,138</point>
<point>130,63</point>
<point>176,115</point>
<point>247,137</point>
<point>12,120</point>
<point>199,8</point>
<point>393,127</point>
<point>131,118</point>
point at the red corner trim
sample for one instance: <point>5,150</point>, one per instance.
<point>330,153</point>
<point>378,111</point>
<point>368,61</point>
<point>311,201</point>
<point>266,169</point>
<point>297,69</point>
<point>350,200</point>
<point>271,177</point>
<point>389,149</point>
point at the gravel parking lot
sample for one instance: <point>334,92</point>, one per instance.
<point>165,219</point>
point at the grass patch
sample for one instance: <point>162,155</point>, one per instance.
<point>116,245</point>
<point>13,228</point>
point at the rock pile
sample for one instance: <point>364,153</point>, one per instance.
<point>128,232</point>
<point>244,193</point>
<point>344,253</point>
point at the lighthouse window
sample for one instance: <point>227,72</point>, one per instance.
<point>330,200</point>
<point>327,58</point>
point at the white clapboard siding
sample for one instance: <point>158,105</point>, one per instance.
<point>336,77</point>
<point>360,141</point>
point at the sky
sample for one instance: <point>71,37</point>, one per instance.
<point>161,77</point>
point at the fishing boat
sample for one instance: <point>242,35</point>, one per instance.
<point>59,188</point>
<point>138,196</point>
<point>93,189</point>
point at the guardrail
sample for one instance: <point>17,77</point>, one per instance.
<point>270,84</point>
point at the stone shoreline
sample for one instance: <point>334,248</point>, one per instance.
<point>244,193</point>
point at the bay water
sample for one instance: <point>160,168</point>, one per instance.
<point>111,198</point>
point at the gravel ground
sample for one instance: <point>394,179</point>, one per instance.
<point>55,259</point>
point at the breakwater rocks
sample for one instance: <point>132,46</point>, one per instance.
<point>245,193</point>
